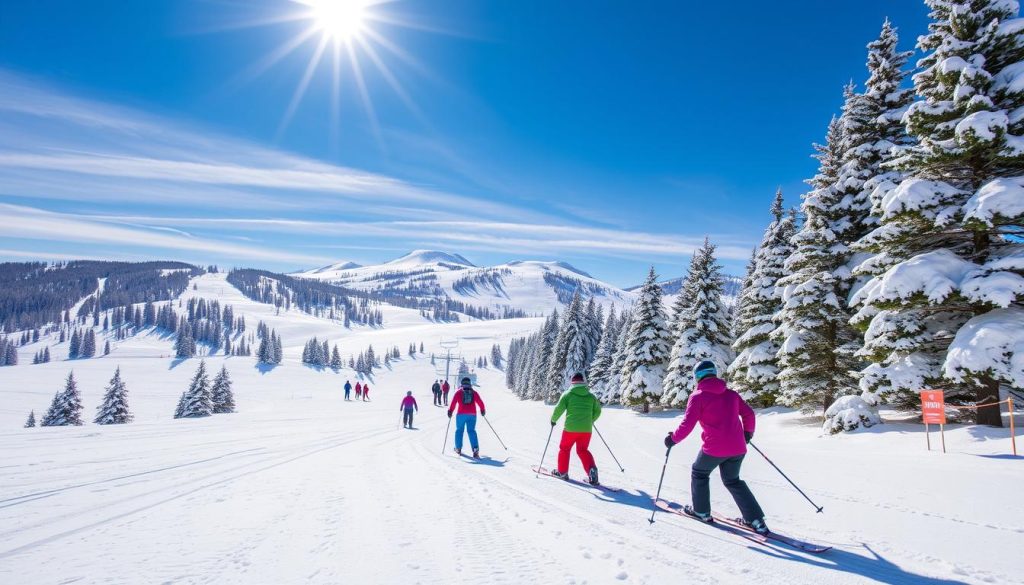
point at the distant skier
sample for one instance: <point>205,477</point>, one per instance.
<point>444,389</point>
<point>366,392</point>
<point>467,400</point>
<point>719,411</point>
<point>436,390</point>
<point>348,389</point>
<point>581,410</point>
<point>359,390</point>
<point>408,405</point>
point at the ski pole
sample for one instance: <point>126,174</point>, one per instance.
<point>621,468</point>
<point>660,481</point>
<point>449,428</point>
<point>545,453</point>
<point>495,432</point>
<point>816,506</point>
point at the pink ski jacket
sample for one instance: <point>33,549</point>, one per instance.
<point>719,411</point>
<point>409,403</point>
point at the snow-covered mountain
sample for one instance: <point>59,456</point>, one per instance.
<point>527,287</point>
<point>731,289</point>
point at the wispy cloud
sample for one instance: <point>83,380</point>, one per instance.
<point>84,172</point>
<point>36,224</point>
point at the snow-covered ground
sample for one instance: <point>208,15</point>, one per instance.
<point>300,486</point>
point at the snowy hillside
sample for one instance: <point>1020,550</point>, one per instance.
<point>302,486</point>
<point>523,287</point>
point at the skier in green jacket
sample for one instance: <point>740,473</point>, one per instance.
<point>582,409</point>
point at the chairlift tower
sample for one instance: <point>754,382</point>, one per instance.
<point>448,345</point>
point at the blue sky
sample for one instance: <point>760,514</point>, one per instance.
<point>612,135</point>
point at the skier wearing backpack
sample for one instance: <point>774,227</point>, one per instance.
<point>359,390</point>
<point>444,390</point>
<point>727,425</point>
<point>348,389</point>
<point>436,389</point>
<point>467,400</point>
<point>581,409</point>
<point>408,405</point>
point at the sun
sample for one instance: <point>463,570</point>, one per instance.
<point>339,20</point>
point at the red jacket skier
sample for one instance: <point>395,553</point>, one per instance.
<point>467,400</point>
<point>407,407</point>
<point>366,392</point>
<point>359,390</point>
<point>444,390</point>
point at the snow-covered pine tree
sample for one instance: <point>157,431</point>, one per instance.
<point>755,370</point>
<point>542,358</point>
<point>184,345</point>
<point>569,350</point>
<point>817,344</point>
<point>114,409</point>
<point>597,373</point>
<point>75,345</point>
<point>31,422</point>
<point>613,385</point>
<point>222,396</point>
<point>496,357</point>
<point>89,344</point>
<point>956,217</point>
<point>593,323</point>
<point>702,331</point>
<point>335,359</point>
<point>196,400</point>
<point>106,348</point>
<point>66,408</point>
<point>647,348</point>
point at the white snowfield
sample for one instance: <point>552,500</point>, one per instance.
<point>300,486</point>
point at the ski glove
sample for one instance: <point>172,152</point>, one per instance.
<point>483,413</point>
<point>748,435</point>
<point>449,414</point>
<point>553,423</point>
<point>669,442</point>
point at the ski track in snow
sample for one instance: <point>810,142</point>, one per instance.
<point>300,486</point>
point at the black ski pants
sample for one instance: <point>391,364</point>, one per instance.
<point>729,468</point>
<point>407,417</point>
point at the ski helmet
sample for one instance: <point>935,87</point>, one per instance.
<point>704,369</point>
<point>467,382</point>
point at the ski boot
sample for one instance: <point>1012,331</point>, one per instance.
<point>689,511</point>
<point>476,453</point>
<point>757,526</point>
<point>592,476</point>
<point>458,452</point>
<point>558,474</point>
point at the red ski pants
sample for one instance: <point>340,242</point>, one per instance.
<point>582,442</point>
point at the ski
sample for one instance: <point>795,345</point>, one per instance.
<point>676,509</point>
<point>547,472</point>
<point>787,540</point>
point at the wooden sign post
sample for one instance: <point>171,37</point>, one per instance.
<point>933,412</point>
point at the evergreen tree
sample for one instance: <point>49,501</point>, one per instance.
<point>196,401</point>
<point>66,408</point>
<point>88,344</point>
<point>569,350</point>
<point>647,348</point>
<point>538,389</point>
<point>31,422</point>
<point>702,331</point>
<point>599,368</point>
<point>817,344</point>
<point>114,409</point>
<point>957,213</point>
<point>335,359</point>
<point>754,372</point>
<point>221,395</point>
<point>184,345</point>
<point>74,345</point>
<point>614,387</point>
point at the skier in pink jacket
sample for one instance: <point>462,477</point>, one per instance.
<point>727,425</point>
<point>408,405</point>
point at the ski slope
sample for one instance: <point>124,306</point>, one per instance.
<point>300,486</point>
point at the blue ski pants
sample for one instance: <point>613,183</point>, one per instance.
<point>466,422</point>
